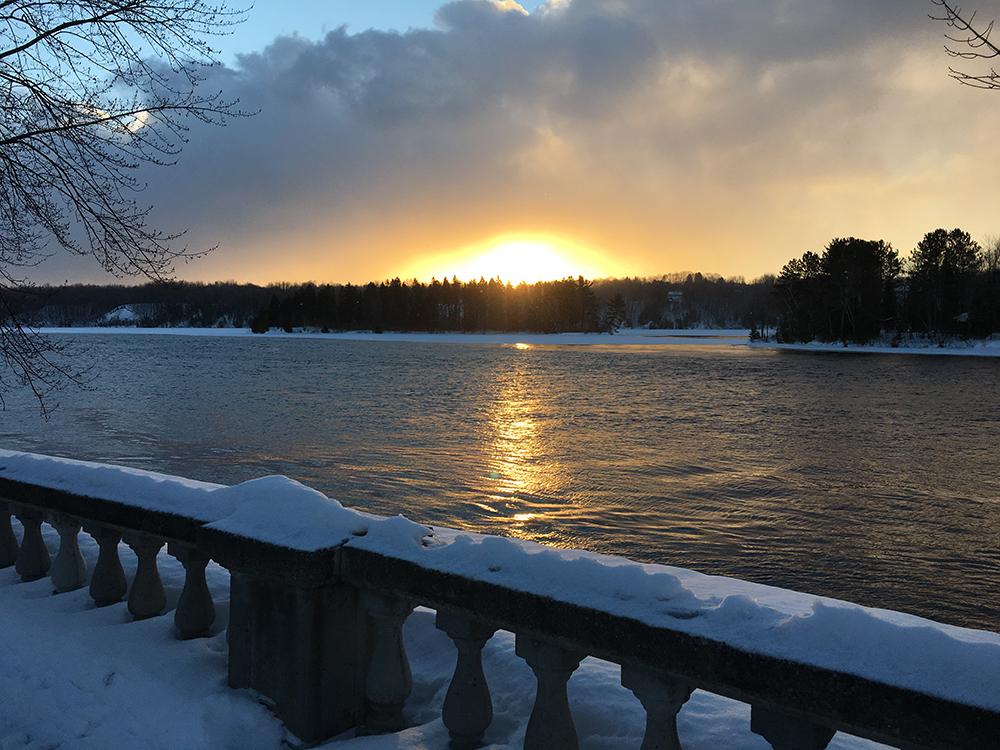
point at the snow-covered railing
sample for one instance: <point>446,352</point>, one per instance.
<point>319,594</point>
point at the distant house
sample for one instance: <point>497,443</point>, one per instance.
<point>120,316</point>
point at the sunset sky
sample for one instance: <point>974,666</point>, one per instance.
<point>605,137</point>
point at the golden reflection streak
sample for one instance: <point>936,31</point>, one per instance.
<point>516,467</point>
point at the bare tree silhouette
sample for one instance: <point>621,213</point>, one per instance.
<point>973,43</point>
<point>90,91</point>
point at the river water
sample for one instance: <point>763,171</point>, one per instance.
<point>868,477</point>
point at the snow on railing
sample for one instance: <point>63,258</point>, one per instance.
<point>319,595</point>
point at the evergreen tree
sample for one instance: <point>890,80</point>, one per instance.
<point>943,270</point>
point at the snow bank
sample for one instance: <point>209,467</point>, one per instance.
<point>625,337</point>
<point>650,337</point>
<point>142,489</point>
<point>971,348</point>
<point>272,509</point>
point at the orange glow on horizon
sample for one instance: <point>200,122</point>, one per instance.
<point>515,259</point>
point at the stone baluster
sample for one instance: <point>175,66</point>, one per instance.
<point>550,726</point>
<point>8,540</point>
<point>468,708</point>
<point>195,609</point>
<point>69,570</point>
<point>662,696</point>
<point>33,559</point>
<point>107,582</point>
<point>787,732</point>
<point>239,630</point>
<point>388,681</point>
<point>146,598</point>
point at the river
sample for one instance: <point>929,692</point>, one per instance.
<point>868,477</point>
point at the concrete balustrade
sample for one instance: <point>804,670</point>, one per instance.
<point>468,707</point>
<point>107,582</point>
<point>147,597</point>
<point>788,732</point>
<point>320,634</point>
<point>550,726</point>
<point>69,571</point>
<point>662,696</point>
<point>195,611</point>
<point>388,682</point>
<point>33,560</point>
<point>314,671</point>
<point>8,540</point>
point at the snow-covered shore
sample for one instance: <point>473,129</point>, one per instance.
<point>624,337</point>
<point>971,348</point>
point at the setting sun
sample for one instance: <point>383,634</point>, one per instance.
<point>516,260</point>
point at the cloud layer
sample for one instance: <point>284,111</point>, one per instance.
<point>723,136</point>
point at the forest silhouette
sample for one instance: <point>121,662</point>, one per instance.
<point>855,291</point>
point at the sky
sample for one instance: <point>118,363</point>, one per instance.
<point>603,137</point>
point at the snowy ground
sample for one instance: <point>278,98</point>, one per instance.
<point>972,347</point>
<point>76,677</point>
<point>625,337</point>
<point>634,337</point>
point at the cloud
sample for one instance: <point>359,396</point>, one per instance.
<point>715,135</point>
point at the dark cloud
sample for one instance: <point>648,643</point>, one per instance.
<point>641,114</point>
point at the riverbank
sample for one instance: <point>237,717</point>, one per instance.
<point>625,337</point>
<point>647,337</point>
<point>972,348</point>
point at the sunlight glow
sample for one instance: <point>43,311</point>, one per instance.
<point>518,258</point>
<point>520,261</point>
<point>509,5</point>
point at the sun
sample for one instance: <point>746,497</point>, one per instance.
<point>517,259</point>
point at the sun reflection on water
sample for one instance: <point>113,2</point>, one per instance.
<point>514,448</point>
<point>517,470</point>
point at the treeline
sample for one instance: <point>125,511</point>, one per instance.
<point>153,305</point>
<point>694,301</point>
<point>677,301</point>
<point>860,290</point>
<point>543,307</point>
<point>854,291</point>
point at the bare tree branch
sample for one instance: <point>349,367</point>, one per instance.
<point>90,91</point>
<point>30,360</point>
<point>974,43</point>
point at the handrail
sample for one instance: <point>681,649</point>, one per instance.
<point>845,702</point>
<point>317,629</point>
